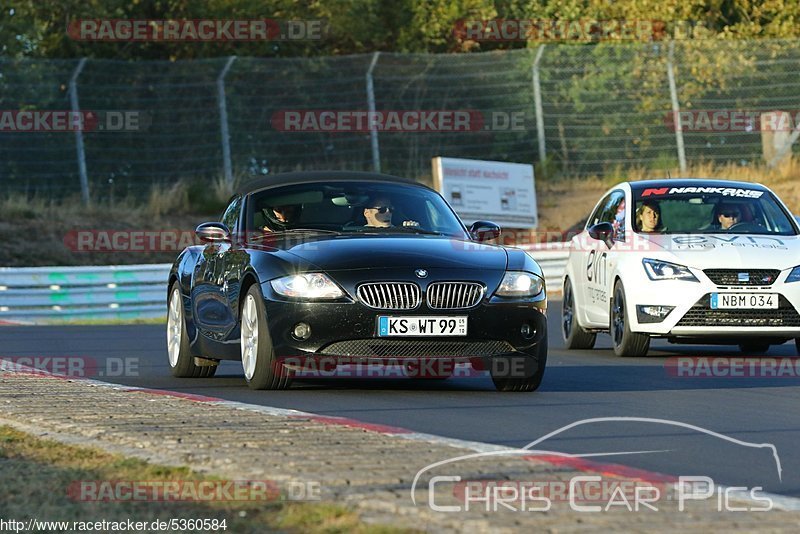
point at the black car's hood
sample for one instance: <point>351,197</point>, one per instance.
<point>345,252</point>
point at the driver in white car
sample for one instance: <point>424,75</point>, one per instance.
<point>727,216</point>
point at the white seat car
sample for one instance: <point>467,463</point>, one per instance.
<point>692,261</point>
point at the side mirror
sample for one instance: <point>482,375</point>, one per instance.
<point>213,232</point>
<point>484,231</point>
<point>603,231</point>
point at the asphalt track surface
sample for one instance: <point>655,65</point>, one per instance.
<point>578,385</point>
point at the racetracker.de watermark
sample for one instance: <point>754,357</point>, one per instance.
<point>192,491</point>
<point>405,121</point>
<point>581,30</point>
<point>37,121</point>
<point>731,367</point>
<point>130,240</point>
<point>71,366</point>
<point>146,241</point>
<point>197,30</point>
<point>396,367</point>
<point>732,120</point>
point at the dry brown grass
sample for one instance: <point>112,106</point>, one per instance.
<point>166,199</point>
<point>37,473</point>
<point>35,227</point>
<point>564,202</point>
<point>223,190</point>
<point>20,206</point>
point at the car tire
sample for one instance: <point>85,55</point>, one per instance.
<point>504,367</point>
<point>754,347</point>
<point>625,342</point>
<point>574,336</point>
<point>179,354</point>
<point>261,368</point>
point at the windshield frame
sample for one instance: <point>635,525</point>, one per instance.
<point>767,194</point>
<point>463,232</point>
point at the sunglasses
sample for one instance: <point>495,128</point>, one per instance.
<point>731,214</point>
<point>382,209</point>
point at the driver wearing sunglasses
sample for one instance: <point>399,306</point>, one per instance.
<point>379,212</point>
<point>728,215</point>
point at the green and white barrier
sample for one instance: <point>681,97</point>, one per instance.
<point>54,294</point>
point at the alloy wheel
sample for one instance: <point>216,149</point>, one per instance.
<point>249,342</point>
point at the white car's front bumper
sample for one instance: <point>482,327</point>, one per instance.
<point>692,315</point>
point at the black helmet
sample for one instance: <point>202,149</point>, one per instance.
<point>280,217</point>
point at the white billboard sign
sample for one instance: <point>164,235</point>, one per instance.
<point>504,193</point>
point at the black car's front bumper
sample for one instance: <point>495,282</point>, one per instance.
<point>347,331</point>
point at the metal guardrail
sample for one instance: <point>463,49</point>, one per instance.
<point>552,258</point>
<point>54,294</point>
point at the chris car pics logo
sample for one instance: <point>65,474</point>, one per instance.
<point>448,491</point>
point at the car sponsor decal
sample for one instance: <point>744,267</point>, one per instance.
<point>724,191</point>
<point>596,267</point>
<point>698,242</point>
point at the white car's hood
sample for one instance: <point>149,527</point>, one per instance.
<point>723,251</point>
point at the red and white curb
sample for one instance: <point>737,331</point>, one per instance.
<point>6,322</point>
<point>780,502</point>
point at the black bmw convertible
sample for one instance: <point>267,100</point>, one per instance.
<point>348,267</point>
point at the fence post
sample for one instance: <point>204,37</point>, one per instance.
<point>373,133</point>
<point>223,123</point>
<point>779,155</point>
<point>676,109</point>
<point>537,100</point>
<point>75,106</point>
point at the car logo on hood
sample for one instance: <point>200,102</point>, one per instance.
<point>744,277</point>
<point>421,273</point>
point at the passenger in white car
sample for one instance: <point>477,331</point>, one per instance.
<point>648,217</point>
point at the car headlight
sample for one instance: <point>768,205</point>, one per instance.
<point>307,286</point>
<point>794,276</point>
<point>664,270</point>
<point>520,284</point>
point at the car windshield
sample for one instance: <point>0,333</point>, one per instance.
<point>708,210</point>
<point>353,207</point>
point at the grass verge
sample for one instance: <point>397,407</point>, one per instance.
<point>41,231</point>
<point>37,474</point>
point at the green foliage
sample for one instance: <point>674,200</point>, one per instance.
<point>37,28</point>
<point>605,104</point>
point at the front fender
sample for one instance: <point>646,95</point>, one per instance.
<point>520,260</point>
<point>182,271</point>
<point>631,272</point>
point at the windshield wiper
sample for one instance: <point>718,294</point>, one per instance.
<point>417,230</point>
<point>319,230</point>
<point>283,233</point>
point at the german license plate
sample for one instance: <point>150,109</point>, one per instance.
<point>389,326</point>
<point>744,301</point>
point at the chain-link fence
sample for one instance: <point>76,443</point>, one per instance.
<point>599,109</point>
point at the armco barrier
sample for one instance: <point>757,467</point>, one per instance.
<point>53,294</point>
<point>552,258</point>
